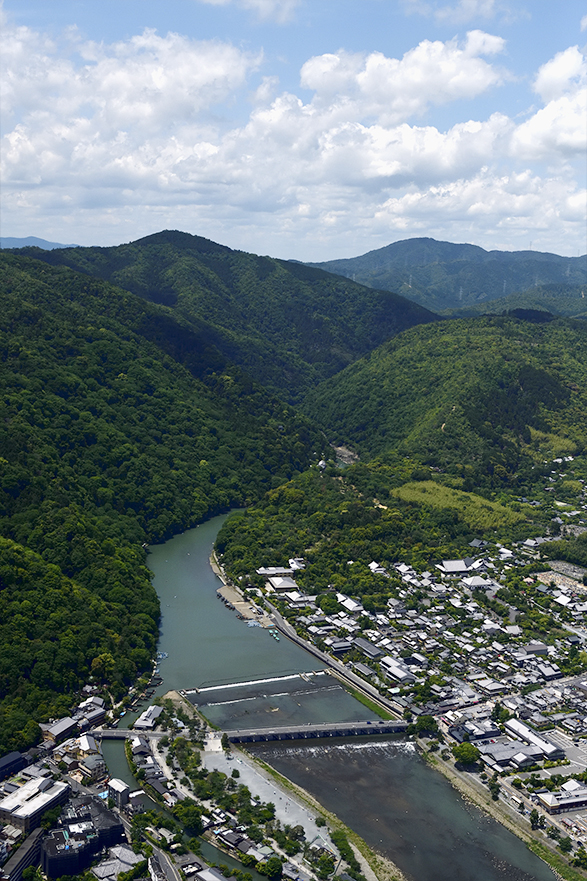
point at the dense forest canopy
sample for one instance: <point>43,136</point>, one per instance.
<point>562,300</point>
<point>120,426</point>
<point>289,326</point>
<point>147,387</point>
<point>490,397</point>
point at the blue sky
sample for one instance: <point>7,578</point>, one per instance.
<point>299,129</point>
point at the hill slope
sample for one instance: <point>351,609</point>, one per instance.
<point>288,325</point>
<point>558,299</point>
<point>119,425</point>
<point>484,397</point>
<point>444,276</point>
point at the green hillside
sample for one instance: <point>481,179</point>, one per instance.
<point>558,299</point>
<point>443,276</point>
<point>288,325</point>
<point>457,424</point>
<point>144,389</point>
<point>485,397</point>
<point>120,425</point>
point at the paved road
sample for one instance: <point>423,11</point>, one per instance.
<point>167,865</point>
<point>575,754</point>
<point>122,733</point>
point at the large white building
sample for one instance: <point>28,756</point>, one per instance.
<point>25,806</point>
<point>550,750</point>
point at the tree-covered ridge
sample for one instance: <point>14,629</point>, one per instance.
<point>119,426</point>
<point>488,397</point>
<point>54,632</point>
<point>289,326</point>
<point>446,276</point>
<point>557,299</point>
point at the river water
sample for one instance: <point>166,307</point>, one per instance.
<point>210,648</point>
<point>384,790</point>
<point>402,808</point>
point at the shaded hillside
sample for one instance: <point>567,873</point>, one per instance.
<point>484,397</point>
<point>563,300</point>
<point>288,325</point>
<point>120,425</point>
<point>445,276</point>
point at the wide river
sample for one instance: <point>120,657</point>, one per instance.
<point>384,791</point>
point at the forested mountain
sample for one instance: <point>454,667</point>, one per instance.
<point>120,425</point>
<point>444,276</point>
<point>485,396</point>
<point>148,386</point>
<point>556,299</point>
<point>457,424</point>
<point>288,325</point>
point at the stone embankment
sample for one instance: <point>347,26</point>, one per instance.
<point>234,598</point>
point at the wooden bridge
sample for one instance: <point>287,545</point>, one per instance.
<point>293,732</point>
<point>311,731</point>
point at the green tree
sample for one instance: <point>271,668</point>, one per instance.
<point>273,868</point>
<point>324,866</point>
<point>189,815</point>
<point>426,724</point>
<point>465,753</point>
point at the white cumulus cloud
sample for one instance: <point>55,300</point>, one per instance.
<point>563,73</point>
<point>557,131</point>
<point>392,89</point>
<point>139,134</point>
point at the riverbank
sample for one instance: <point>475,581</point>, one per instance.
<point>415,821</point>
<point>234,598</point>
<point>374,866</point>
<point>293,805</point>
<point>502,813</point>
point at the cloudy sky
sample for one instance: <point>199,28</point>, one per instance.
<point>310,129</point>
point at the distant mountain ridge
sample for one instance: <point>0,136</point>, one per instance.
<point>443,276</point>
<point>290,326</point>
<point>32,242</point>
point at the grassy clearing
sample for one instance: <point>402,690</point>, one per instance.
<point>556,862</point>
<point>371,705</point>
<point>478,512</point>
<point>547,444</point>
